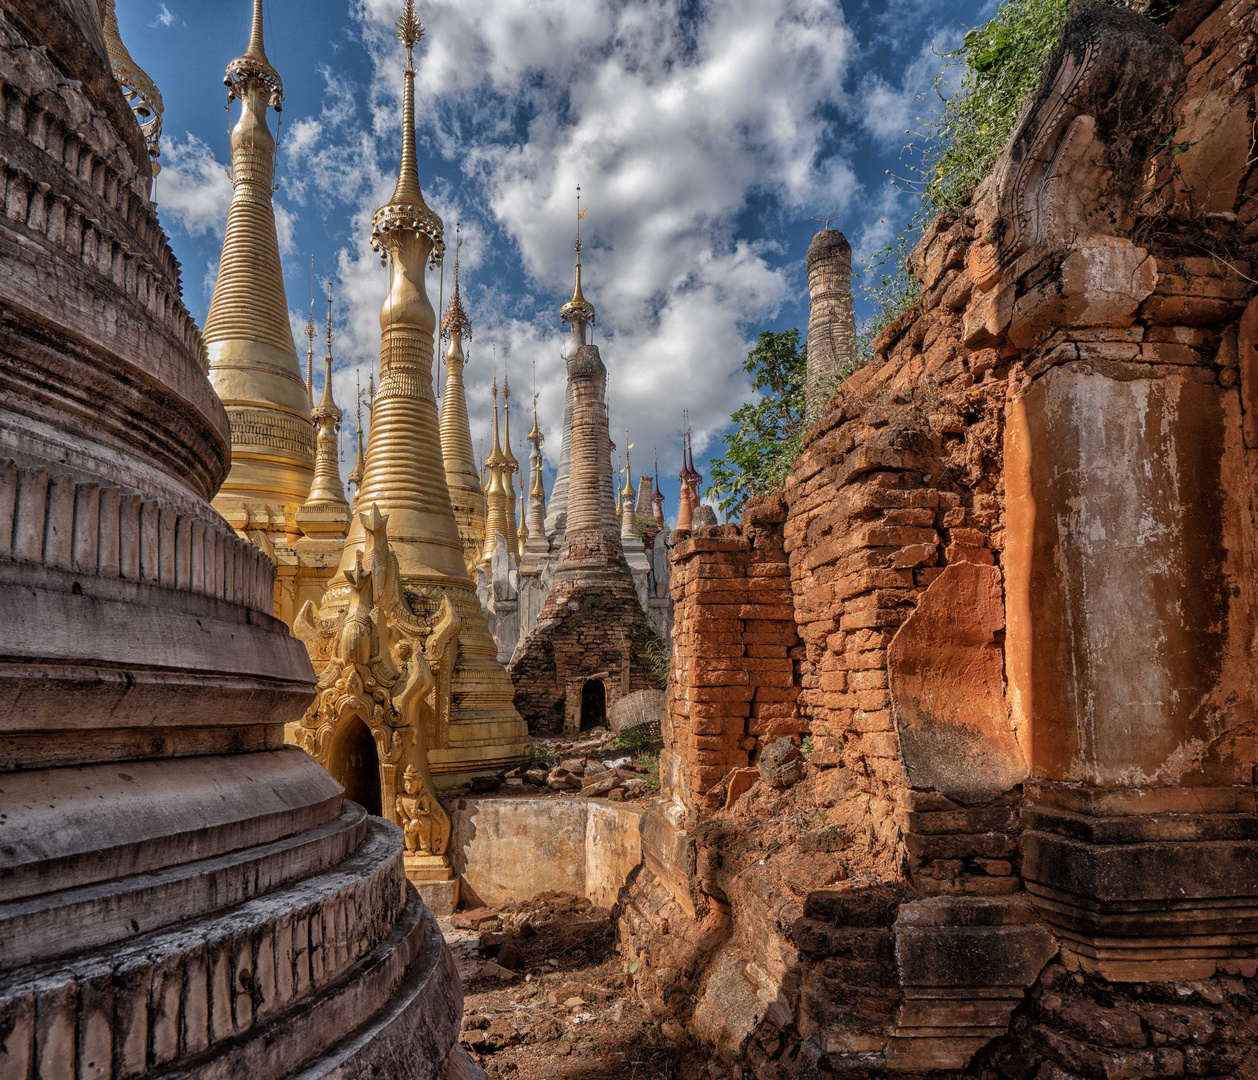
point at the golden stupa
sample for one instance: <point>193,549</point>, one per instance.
<point>466,494</point>
<point>496,495</point>
<point>253,361</point>
<point>423,588</point>
<point>510,466</point>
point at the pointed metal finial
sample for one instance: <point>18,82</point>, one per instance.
<point>409,28</point>
<point>254,67</point>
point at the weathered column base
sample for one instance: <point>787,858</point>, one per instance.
<point>1147,884</point>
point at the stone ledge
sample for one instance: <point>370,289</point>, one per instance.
<point>141,817</point>
<point>96,915</point>
<point>266,983</point>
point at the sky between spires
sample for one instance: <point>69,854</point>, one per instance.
<point>705,137</point>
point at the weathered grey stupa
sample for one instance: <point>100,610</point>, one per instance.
<point>588,646</point>
<point>180,894</point>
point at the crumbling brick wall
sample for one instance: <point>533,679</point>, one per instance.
<point>735,646</point>
<point>1020,553</point>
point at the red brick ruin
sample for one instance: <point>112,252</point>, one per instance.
<point>1005,609</point>
<point>591,633</point>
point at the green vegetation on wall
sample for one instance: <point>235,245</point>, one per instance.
<point>999,64</point>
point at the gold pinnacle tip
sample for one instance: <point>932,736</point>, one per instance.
<point>409,28</point>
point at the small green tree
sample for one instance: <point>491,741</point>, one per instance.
<point>766,436</point>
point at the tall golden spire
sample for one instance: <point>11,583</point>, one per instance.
<point>310,336</point>
<point>356,473</point>
<point>327,489</point>
<point>510,466</point>
<point>253,361</point>
<point>496,491</point>
<point>407,210</point>
<point>537,440</point>
<point>630,537</point>
<point>522,533</point>
<point>404,479</point>
<point>467,496</point>
<point>534,518</point>
<point>626,492</point>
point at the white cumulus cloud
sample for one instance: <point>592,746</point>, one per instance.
<point>674,118</point>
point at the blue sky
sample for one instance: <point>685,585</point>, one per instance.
<point>705,134</point>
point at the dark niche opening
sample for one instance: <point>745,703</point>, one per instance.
<point>593,704</point>
<point>357,766</point>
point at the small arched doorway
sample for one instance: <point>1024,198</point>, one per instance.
<point>356,765</point>
<point>593,704</point>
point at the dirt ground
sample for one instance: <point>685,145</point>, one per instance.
<point>547,998</point>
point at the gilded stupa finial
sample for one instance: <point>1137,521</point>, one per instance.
<point>326,488</point>
<point>326,405</point>
<point>578,309</point>
<point>407,209</point>
<point>495,458</point>
<point>537,441</point>
<point>356,474</point>
<point>626,492</point>
<point>455,319</point>
<point>310,336</point>
<point>253,66</point>
<point>509,458</point>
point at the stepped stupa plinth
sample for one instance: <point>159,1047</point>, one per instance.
<point>181,895</point>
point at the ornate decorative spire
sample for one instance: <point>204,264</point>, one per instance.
<point>685,508</point>
<point>495,492</point>
<point>537,440</point>
<point>139,90</point>
<point>522,533</point>
<point>626,492</point>
<point>510,466</point>
<point>630,537</point>
<point>534,519</point>
<point>253,359</point>
<point>467,494</point>
<point>578,311</point>
<point>310,336</point>
<point>407,209</point>
<point>455,318</point>
<point>356,474</point>
<point>509,459</point>
<point>405,477</point>
<point>254,67</point>
<point>495,457</point>
<point>327,489</point>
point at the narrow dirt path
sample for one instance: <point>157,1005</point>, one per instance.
<point>546,996</point>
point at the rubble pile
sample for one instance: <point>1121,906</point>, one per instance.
<point>547,996</point>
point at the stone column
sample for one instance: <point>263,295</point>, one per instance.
<point>831,322</point>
